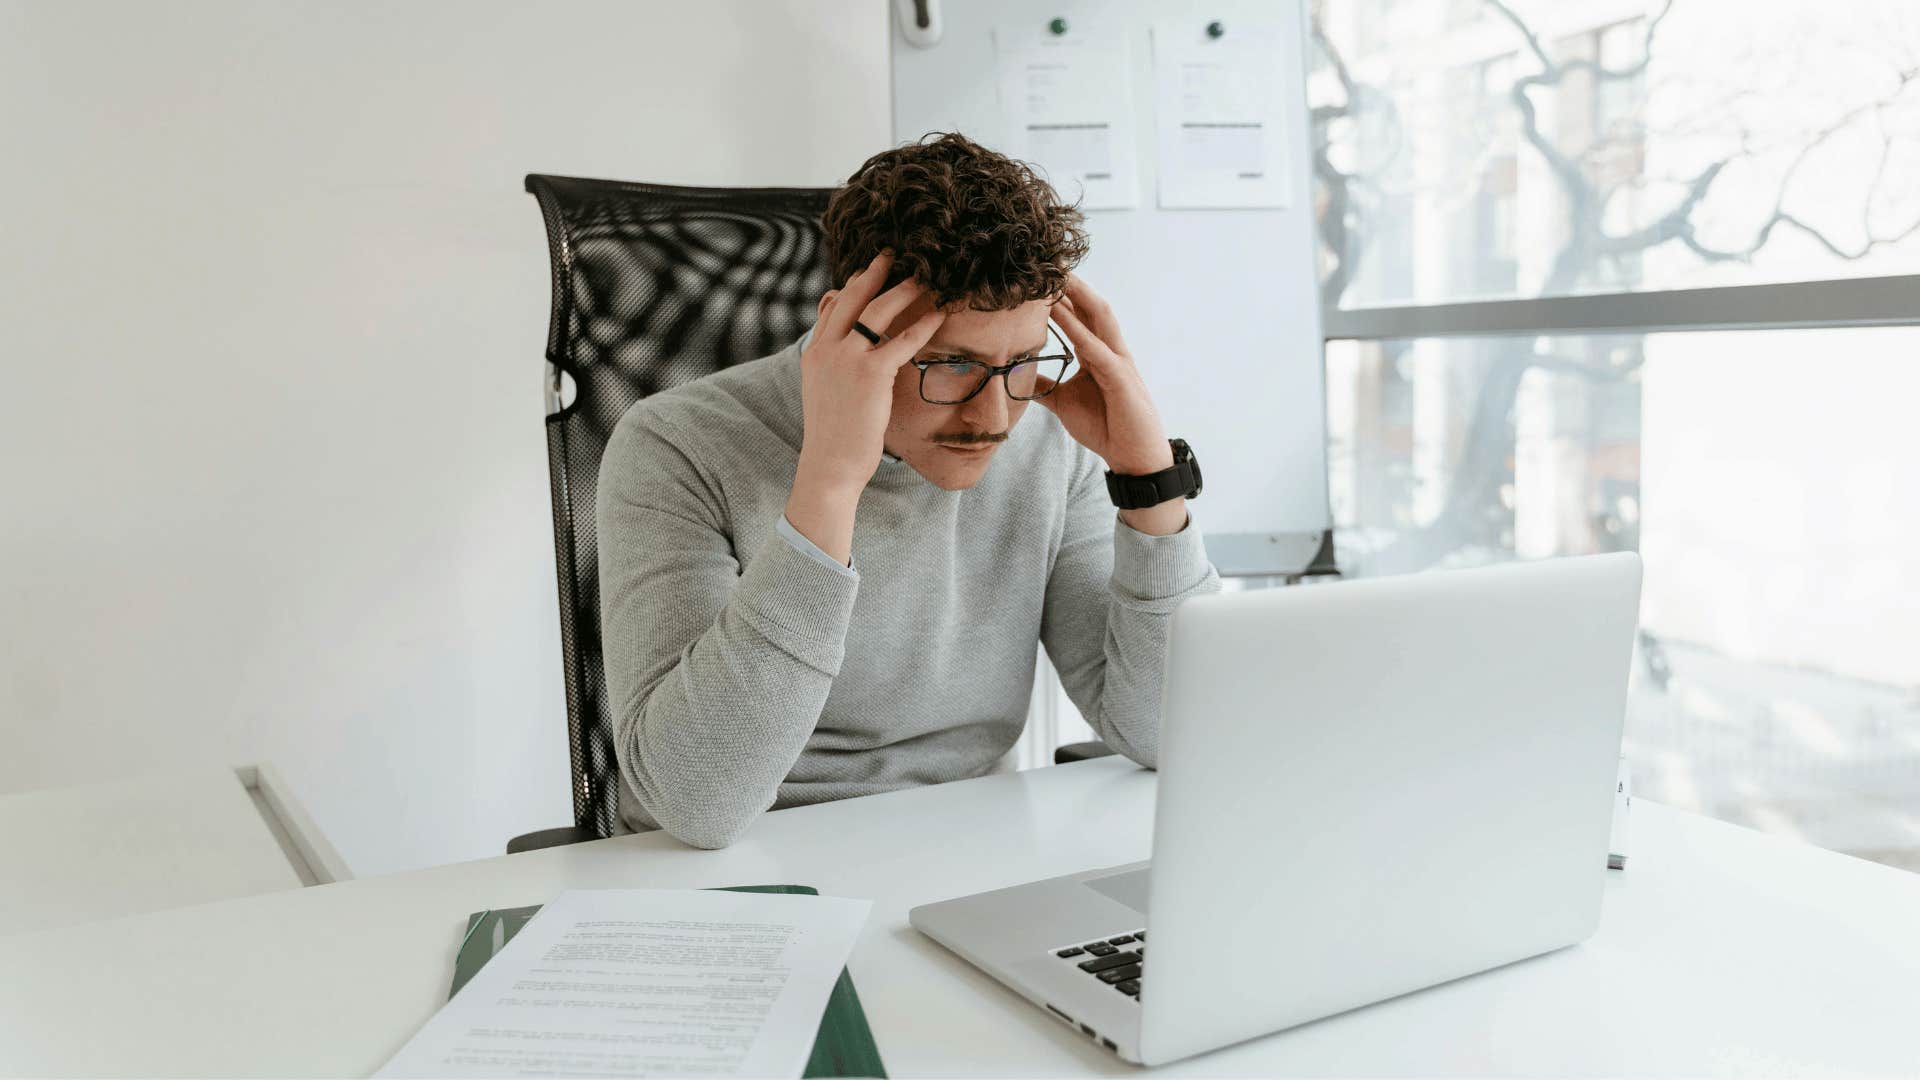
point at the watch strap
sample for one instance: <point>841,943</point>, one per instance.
<point>1181,480</point>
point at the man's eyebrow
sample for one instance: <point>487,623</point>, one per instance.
<point>955,350</point>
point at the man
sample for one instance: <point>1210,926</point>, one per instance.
<point>824,573</point>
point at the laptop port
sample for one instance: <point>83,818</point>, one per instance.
<point>1062,1015</point>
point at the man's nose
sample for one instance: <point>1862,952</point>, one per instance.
<point>988,409</point>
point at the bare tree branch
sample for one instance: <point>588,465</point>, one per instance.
<point>1675,222</point>
<point>1780,216</point>
<point>1340,187</point>
<point>1484,456</point>
<point>1568,67</point>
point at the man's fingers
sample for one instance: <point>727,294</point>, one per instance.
<point>1090,350</point>
<point>914,338</point>
<point>888,305</point>
<point>853,299</point>
<point>1095,312</point>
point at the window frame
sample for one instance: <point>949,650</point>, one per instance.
<point>1827,303</point>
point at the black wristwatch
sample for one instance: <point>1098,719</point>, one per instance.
<point>1140,492</point>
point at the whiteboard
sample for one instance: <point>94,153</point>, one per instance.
<point>1221,307</point>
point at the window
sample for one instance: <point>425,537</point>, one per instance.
<point>1679,146</point>
<point>1642,276</point>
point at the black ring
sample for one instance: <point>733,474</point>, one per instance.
<point>864,331</point>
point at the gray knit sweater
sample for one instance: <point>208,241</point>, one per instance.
<point>747,669</point>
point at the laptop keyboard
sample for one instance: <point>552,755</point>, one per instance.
<point>1115,960</point>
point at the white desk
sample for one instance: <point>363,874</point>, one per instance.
<point>1722,951</point>
<point>122,847</point>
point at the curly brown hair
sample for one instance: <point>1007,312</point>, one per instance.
<point>972,224</point>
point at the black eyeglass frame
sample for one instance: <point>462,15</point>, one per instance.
<point>1005,371</point>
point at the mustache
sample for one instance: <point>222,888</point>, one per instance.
<point>983,441</point>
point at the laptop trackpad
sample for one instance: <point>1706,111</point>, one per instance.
<point>1128,886</point>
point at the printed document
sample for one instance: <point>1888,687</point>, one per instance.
<point>647,982</point>
<point>1221,116</point>
<point>1067,104</point>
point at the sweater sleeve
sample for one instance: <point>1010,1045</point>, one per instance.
<point>1110,598</point>
<point>716,671</point>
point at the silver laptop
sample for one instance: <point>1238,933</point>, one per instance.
<point>1365,789</point>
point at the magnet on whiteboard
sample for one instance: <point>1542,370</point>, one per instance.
<point>920,21</point>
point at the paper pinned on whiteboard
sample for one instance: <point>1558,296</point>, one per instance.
<point>1221,117</point>
<point>1067,107</point>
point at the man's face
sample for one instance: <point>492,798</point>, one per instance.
<point>920,434</point>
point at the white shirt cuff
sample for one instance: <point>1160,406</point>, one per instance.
<point>812,550</point>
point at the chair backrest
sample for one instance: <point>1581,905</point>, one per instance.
<point>653,286</point>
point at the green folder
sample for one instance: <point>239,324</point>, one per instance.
<point>843,1047</point>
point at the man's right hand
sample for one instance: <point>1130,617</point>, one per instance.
<point>846,381</point>
<point>846,396</point>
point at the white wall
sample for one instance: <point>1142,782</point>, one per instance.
<point>272,305</point>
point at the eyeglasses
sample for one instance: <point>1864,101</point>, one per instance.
<point>954,382</point>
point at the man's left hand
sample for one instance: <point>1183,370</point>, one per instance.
<point>1105,405</point>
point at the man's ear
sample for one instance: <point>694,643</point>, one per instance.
<point>825,298</point>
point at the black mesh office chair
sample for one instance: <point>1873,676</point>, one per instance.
<point>653,286</point>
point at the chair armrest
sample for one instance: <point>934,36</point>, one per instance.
<point>1081,751</point>
<point>546,838</point>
